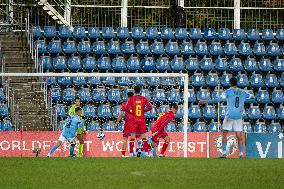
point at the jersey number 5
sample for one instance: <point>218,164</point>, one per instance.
<point>138,110</point>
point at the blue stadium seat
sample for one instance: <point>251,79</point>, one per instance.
<point>41,46</point>
<point>59,63</point>
<point>104,63</point>
<point>210,34</point>
<point>162,109</point>
<point>181,129</point>
<point>172,48</point>
<point>280,34</point>
<point>171,127</point>
<point>55,95</point>
<point>201,48</point>
<point>222,111</point>
<point>153,81</point>
<point>199,127</point>
<point>157,48</point>
<point>146,93</point>
<point>64,81</point>
<point>180,81</point>
<point>46,63</point>
<point>195,33</point>
<point>124,94</point>
<point>191,64</point>
<point>104,112</point>
<point>118,64</point>
<point>194,112</point>
<point>152,33</point>
<point>37,32</point>
<point>253,35</point>
<point>79,32</point>
<point>214,127</point>
<point>133,64</point>
<point>251,65</point>
<point>225,80</point>
<point>143,48</point>
<point>116,110</point>
<point>181,33</point>
<point>247,127</point>
<point>177,64</point>
<point>267,35</point>
<point>128,48</point>
<point>230,49</point>
<point>252,99</point>
<point>174,96</point>
<point>224,34</point>
<point>277,96</point>
<point>242,80</point>
<point>203,94</point>
<point>7,126</point>
<point>191,96</point>
<point>206,64</point>
<point>108,33</point>
<point>198,80</point>
<point>79,81</point>
<point>263,97</point>
<point>99,48</point>
<point>113,47</point>
<point>84,47</point>
<point>271,80</point>
<point>216,49</point>
<point>113,96</point>
<point>163,64</point>
<point>108,81</point>
<point>282,80</point>
<point>187,48</point>
<point>259,49</point>
<point>120,126</point>
<point>99,95</point>
<point>239,35</point>
<point>245,49</point>
<point>269,113</point>
<point>280,113</point>
<point>159,95</point>
<point>93,126</point>
<point>84,95</point>
<point>167,33</point>
<point>68,95</point>
<point>2,95</point>
<point>94,33</point>
<point>260,128</point>
<point>256,80</point>
<point>69,47</point>
<point>215,96</point>
<point>123,33</point>
<point>94,81</point>
<point>179,114</point>
<point>273,50</point>
<point>74,64</point>
<point>108,126</point>
<point>212,79</point>
<point>137,33</point>
<point>221,64</point>
<point>54,47</point>
<point>278,65</point>
<point>60,111</point>
<point>236,65</point>
<point>209,112</point>
<point>254,113</point>
<point>89,111</point>
<point>64,32</point>
<point>148,64</point>
<point>89,64</point>
<point>139,81</point>
<point>275,128</point>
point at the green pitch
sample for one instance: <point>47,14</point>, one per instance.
<point>118,173</point>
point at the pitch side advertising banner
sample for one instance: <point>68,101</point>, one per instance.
<point>260,145</point>
<point>19,144</point>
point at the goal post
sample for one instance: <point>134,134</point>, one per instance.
<point>182,76</point>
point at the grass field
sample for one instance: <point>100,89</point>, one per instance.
<point>118,173</point>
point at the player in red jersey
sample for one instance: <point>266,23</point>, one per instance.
<point>158,128</point>
<point>138,105</point>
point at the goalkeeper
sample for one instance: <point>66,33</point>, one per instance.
<point>80,131</point>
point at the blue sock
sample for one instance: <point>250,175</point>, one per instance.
<point>71,152</point>
<point>224,148</point>
<point>53,149</point>
<point>241,148</point>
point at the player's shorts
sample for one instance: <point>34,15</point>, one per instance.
<point>140,126</point>
<point>70,140</point>
<point>157,137</point>
<point>233,125</point>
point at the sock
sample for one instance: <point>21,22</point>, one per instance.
<point>241,148</point>
<point>71,152</point>
<point>145,144</point>
<point>123,152</point>
<point>131,145</point>
<point>224,148</point>
<point>80,150</point>
<point>52,150</point>
<point>154,151</point>
<point>165,145</point>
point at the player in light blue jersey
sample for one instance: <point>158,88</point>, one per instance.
<point>71,124</point>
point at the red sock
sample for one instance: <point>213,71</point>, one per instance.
<point>165,145</point>
<point>145,145</point>
<point>131,145</point>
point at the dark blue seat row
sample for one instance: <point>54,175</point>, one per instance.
<point>4,110</point>
<point>6,125</point>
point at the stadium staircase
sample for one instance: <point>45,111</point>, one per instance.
<point>29,97</point>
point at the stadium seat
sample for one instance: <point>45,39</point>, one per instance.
<point>152,33</point>
<point>74,64</point>
<point>146,93</point>
<point>104,112</point>
<point>113,48</point>
<point>124,94</point>
<point>191,64</point>
<point>259,49</point>
<point>163,64</point>
<point>236,65</point>
<point>69,47</point>
<point>245,49</point>
<point>198,80</point>
<point>115,111</point>
<point>123,33</point>
<point>60,111</point>
<point>180,81</point>
<point>254,113</point>
<point>222,111</point>
<point>89,64</point>
<point>139,81</point>
<point>104,64</point>
<point>271,81</point>
<point>79,81</point>
<point>108,33</point>
<point>180,127</point>
<point>65,32</point>
<point>174,96</point>
<point>79,32</point>
<point>177,64</point>
<point>128,48</point>
<point>167,33</point>
<point>68,95</point>
<point>273,50</point>
<point>143,48</point>
<point>260,127</point>
<point>278,65</point>
<point>191,95</point>
<point>84,95</point>
<point>280,34</point>
<point>215,96</point>
<point>118,64</point>
<point>210,34</point>
<point>225,80</point>
<point>159,95</point>
<point>59,63</point>
<point>263,97</point>
<point>6,125</point>
<point>99,48</point>
<point>64,81</point>
<point>209,112</point>
<point>239,35</point>
<point>94,81</point>
<point>84,47</point>
<point>242,80</point>
<point>179,114</point>
<point>194,112</point>
<point>137,33</point>
<point>199,127</point>
<point>181,33</point>
<point>280,112</point>
<point>247,127</point>
<point>108,126</point>
<point>37,32</point>
<point>120,126</point>
<point>148,64</point>
<point>275,128</point>
<point>89,111</point>
<point>282,80</point>
<point>212,79</point>
<point>277,96</point>
<point>162,109</point>
<point>269,113</point>
<point>46,63</point>
<point>252,99</point>
<point>108,81</point>
<point>201,48</point>
<point>216,49</point>
<point>41,46</point>
<point>251,65</point>
<point>224,34</point>
<point>171,127</point>
<point>203,94</point>
<point>230,49</point>
<point>2,95</point>
<point>172,48</point>
<point>133,64</point>
<point>54,47</point>
<point>93,126</point>
<point>167,81</point>
<point>221,64</point>
<point>213,127</point>
<point>153,81</point>
<point>195,33</point>
<point>55,95</point>
<point>114,96</point>
<point>206,64</point>
<point>187,48</point>
<point>253,35</point>
<point>267,35</point>
<point>94,33</point>
<point>99,95</point>
<point>157,48</point>
<point>256,80</point>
